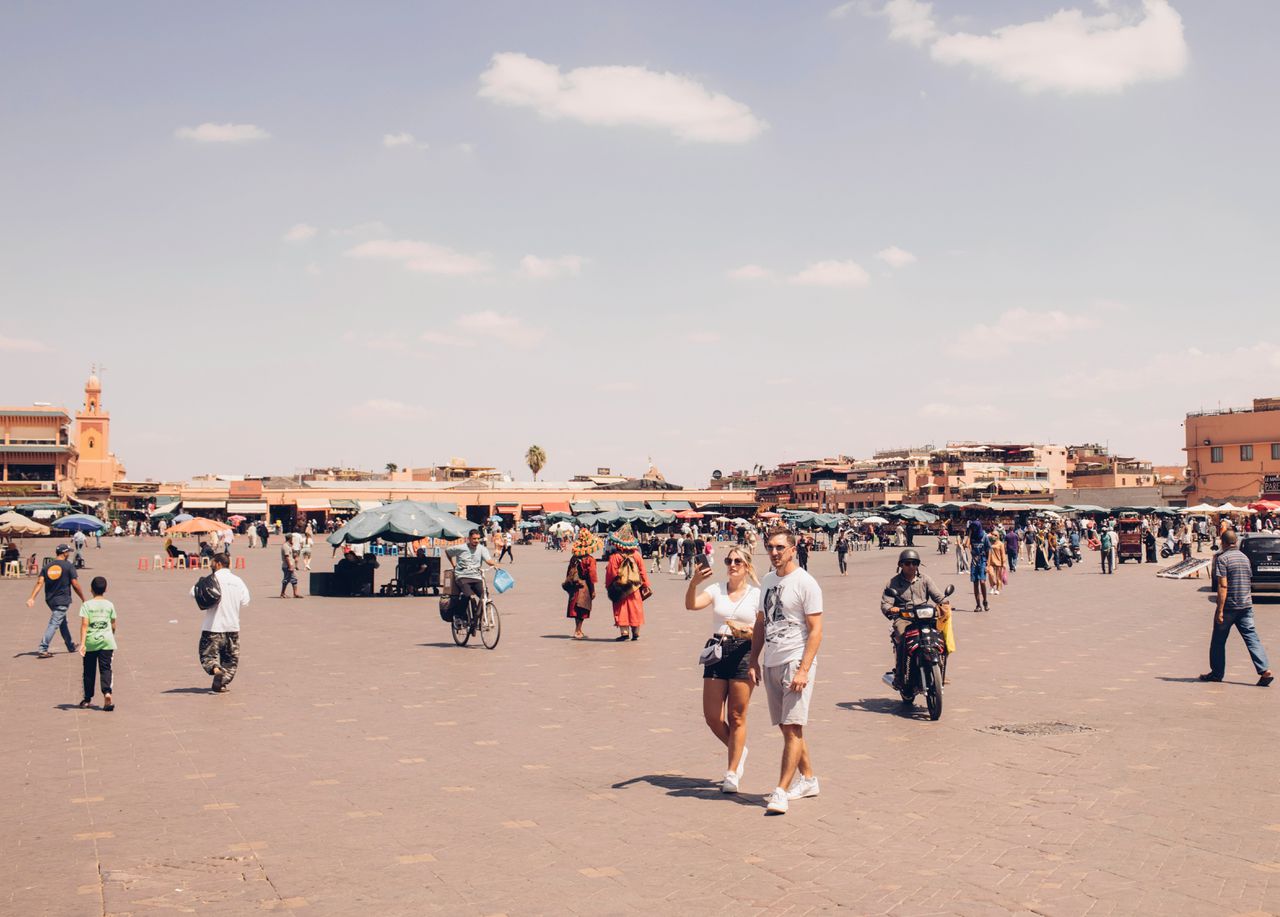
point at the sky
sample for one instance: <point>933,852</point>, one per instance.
<point>708,235</point>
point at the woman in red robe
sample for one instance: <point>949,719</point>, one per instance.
<point>580,580</point>
<point>627,597</point>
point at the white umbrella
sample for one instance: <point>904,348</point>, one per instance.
<point>12,523</point>
<point>873,520</point>
<point>560,528</point>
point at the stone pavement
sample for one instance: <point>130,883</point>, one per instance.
<point>364,764</point>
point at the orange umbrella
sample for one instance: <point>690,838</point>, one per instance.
<point>196,526</point>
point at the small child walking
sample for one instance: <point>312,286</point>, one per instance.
<point>98,642</point>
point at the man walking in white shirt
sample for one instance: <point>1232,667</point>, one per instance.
<point>220,633</point>
<point>789,631</point>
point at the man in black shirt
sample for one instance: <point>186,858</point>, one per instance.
<point>58,579</point>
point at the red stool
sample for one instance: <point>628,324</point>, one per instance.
<point>239,564</point>
<point>144,564</point>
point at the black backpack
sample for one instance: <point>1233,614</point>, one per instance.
<point>208,592</point>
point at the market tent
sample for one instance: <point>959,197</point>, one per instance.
<point>1199,508</point>
<point>401,521</point>
<point>182,517</point>
<point>12,524</point>
<point>915,515</point>
<point>1265,506</point>
<point>196,526</point>
<point>79,523</point>
<point>1086,508</point>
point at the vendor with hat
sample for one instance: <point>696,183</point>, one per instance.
<point>580,580</point>
<point>58,579</point>
<point>626,582</point>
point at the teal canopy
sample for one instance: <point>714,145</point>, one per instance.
<point>401,521</point>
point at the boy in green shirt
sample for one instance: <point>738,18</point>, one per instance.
<point>98,641</point>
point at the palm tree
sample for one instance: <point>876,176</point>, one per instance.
<point>392,467</point>
<point>536,459</point>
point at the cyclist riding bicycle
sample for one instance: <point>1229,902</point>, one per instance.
<point>468,572</point>
<point>908,588</point>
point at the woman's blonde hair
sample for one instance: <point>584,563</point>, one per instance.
<point>746,559</point>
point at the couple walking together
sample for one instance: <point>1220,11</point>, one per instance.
<point>625,578</point>
<point>763,632</point>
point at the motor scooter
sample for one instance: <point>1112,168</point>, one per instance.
<point>944,544</point>
<point>923,655</point>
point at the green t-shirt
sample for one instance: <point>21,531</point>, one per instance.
<point>100,613</point>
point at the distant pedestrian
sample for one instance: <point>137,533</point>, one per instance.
<point>842,553</point>
<point>980,552</point>
<point>308,543</point>
<point>98,643</point>
<point>78,539</point>
<point>627,582</point>
<point>686,556</point>
<point>288,569</point>
<point>788,631</point>
<point>1012,545</point>
<point>59,580</point>
<point>1105,547</point>
<point>507,538</point>
<point>1233,577</point>
<point>253,535</point>
<point>220,632</point>
<point>802,553</point>
<point>996,565</point>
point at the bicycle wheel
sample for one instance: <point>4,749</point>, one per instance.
<point>461,627</point>
<point>490,626</point>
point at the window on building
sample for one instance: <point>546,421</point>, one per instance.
<point>1215,454</point>
<point>1275,452</point>
<point>1246,453</point>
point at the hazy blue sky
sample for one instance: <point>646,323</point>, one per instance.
<point>715,234</point>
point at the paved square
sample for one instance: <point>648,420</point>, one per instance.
<point>364,764</point>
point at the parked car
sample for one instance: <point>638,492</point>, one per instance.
<point>1263,551</point>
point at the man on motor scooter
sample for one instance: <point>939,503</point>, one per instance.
<point>908,588</point>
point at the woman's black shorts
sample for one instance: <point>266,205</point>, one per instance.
<point>735,663</point>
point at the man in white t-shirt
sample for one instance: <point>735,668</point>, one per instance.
<point>789,631</point>
<point>220,632</point>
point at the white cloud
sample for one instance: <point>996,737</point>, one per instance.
<point>387,407</point>
<point>505,329</point>
<point>703,337</point>
<point>619,95</point>
<point>466,147</point>
<point>751,272</point>
<point>403,139</point>
<point>479,328</point>
<point>300,232</point>
<point>895,257</point>
<point>832,274</point>
<point>911,21</point>
<point>549,268</point>
<point>844,9</point>
<point>1020,326</point>
<point>1070,51</point>
<point>221,133</point>
<point>22,345</point>
<point>422,257</point>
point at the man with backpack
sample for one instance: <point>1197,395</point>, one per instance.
<point>220,595</point>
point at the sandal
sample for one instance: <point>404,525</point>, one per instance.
<point>110,704</point>
<point>1265,680</point>
<point>84,703</point>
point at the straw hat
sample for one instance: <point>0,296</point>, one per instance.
<point>624,538</point>
<point>586,543</point>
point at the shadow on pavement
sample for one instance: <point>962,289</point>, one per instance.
<point>695,787</point>
<point>433,645</point>
<point>188,691</point>
<point>889,706</point>
<point>73,707</point>
<point>1193,680</point>
<point>583,640</point>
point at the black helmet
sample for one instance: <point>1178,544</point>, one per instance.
<point>909,554</point>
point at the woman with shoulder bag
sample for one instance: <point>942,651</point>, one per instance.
<point>726,688</point>
<point>580,580</point>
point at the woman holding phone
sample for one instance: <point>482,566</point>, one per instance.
<point>726,690</point>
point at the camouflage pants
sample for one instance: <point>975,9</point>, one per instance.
<point>222,650</point>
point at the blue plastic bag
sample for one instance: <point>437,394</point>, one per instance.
<point>502,581</point>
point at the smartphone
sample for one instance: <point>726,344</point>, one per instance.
<point>701,560</point>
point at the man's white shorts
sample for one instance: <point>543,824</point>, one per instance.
<point>787,707</point>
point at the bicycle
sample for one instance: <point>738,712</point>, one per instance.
<point>477,618</point>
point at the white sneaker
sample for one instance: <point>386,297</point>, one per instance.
<point>730,784</point>
<point>802,787</point>
<point>777,802</point>
<point>742,762</point>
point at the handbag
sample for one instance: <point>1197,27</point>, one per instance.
<point>712,653</point>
